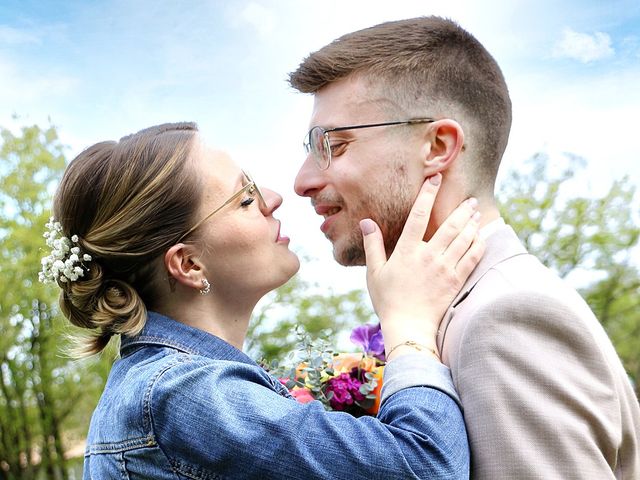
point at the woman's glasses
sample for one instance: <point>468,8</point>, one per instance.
<point>250,187</point>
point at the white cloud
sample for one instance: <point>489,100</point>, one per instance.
<point>259,17</point>
<point>583,46</point>
<point>19,89</point>
<point>14,36</point>
<point>630,46</point>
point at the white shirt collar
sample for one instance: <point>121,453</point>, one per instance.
<point>491,228</point>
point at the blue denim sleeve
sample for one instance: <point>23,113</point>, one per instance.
<point>224,420</point>
<point>412,370</point>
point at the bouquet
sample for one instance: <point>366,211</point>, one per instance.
<point>348,382</point>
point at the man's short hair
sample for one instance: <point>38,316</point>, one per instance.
<point>425,65</point>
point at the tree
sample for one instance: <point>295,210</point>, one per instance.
<point>591,237</point>
<point>320,313</point>
<point>616,302</point>
<point>39,386</point>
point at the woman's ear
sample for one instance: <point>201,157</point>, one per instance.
<point>445,141</point>
<point>183,266</point>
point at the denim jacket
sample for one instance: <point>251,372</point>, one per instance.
<point>183,404</point>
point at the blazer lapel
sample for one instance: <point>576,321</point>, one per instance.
<point>500,246</point>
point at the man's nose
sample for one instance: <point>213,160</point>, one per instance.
<point>310,178</point>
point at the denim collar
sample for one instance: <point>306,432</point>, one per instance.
<point>165,331</point>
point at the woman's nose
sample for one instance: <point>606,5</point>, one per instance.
<point>272,201</point>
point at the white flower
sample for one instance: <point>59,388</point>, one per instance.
<point>63,264</point>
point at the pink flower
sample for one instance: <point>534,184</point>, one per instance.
<point>346,390</point>
<point>302,395</point>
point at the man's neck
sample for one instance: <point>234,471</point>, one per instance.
<point>488,215</point>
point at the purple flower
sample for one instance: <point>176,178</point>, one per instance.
<point>346,391</point>
<point>369,337</point>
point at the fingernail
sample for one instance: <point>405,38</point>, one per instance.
<point>435,179</point>
<point>473,202</point>
<point>476,217</point>
<point>367,226</point>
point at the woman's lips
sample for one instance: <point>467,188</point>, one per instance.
<point>280,238</point>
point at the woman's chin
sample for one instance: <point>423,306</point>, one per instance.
<point>287,272</point>
<point>295,264</point>
<point>291,270</point>
<point>277,277</point>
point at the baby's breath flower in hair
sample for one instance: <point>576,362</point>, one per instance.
<point>66,262</point>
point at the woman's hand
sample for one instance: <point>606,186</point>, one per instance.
<point>412,290</point>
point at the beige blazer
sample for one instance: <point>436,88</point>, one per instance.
<point>544,393</point>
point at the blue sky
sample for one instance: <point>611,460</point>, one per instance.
<point>102,69</point>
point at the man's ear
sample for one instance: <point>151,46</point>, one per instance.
<point>444,142</point>
<point>183,266</point>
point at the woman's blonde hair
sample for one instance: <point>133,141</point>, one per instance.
<point>127,201</point>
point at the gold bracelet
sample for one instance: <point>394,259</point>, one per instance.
<point>417,346</point>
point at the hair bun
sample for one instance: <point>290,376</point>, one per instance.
<point>108,306</point>
<point>143,195</point>
<point>121,307</point>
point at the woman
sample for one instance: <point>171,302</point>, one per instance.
<point>167,243</point>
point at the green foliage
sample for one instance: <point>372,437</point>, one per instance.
<point>29,163</point>
<point>616,302</point>
<point>308,365</point>
<point>41,390</point>
<point>568,232</point>
<point>313,365</point>
<point>595,236</point>
<point>320,313</point>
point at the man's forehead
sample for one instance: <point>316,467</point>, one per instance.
<point>348,101</point>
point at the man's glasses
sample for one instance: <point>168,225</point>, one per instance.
<point>250,188</point>
<point>317,141</point>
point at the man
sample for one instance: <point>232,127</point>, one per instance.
<point>544,394</point>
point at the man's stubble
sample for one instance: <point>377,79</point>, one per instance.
<point>388,204</point>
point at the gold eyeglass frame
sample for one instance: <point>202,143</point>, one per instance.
<point>250,187</point>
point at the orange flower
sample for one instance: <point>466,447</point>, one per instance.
<point>344,362</point>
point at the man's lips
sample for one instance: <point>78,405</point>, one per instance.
<point>328,212</point>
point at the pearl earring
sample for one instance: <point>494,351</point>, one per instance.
<point>206,287</point>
